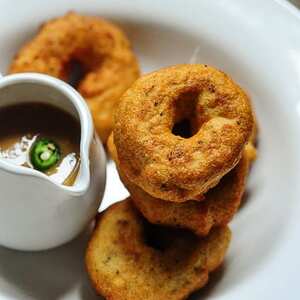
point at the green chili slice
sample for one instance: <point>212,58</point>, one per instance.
<point>44,154</point>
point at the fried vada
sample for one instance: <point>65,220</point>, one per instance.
<point>128,258</point>
<point>100,47</point>
<point>165,164</point>
<point>217,208</point>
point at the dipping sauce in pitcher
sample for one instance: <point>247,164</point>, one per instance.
<point>42,137</point>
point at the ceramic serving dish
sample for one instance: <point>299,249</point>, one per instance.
<point>36,212</point>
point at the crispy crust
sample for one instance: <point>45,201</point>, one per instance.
<point>168,166</point>
<point>217,208</point>
<point>122,266</point>
<point>100,46</point>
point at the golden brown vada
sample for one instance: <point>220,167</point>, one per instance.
<point>169,166</point>
<point>128,258</point>
<point>99,46</point>
<point>217,208</point>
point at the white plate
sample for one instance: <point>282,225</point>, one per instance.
<point>258,44</point>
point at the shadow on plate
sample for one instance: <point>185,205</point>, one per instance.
<point>46,275</point>
<point>87,292</point>
<point>245,199</point>
<point>207,290</point>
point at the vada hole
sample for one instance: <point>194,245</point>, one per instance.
<point>184,114</point>
<point>162,237</point>
<point>183,129</point>
<point>75,72</point>
<point>155,236</point>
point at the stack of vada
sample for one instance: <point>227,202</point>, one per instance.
<point>183,143</point>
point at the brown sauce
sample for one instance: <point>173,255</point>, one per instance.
<point>21,125</point>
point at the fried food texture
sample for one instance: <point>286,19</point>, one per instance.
<point>217,207</point>
<point>128,258</point>
<point>161,161</point>
<point>100,47</point>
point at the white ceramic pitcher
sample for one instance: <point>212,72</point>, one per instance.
<point>35,212</point>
